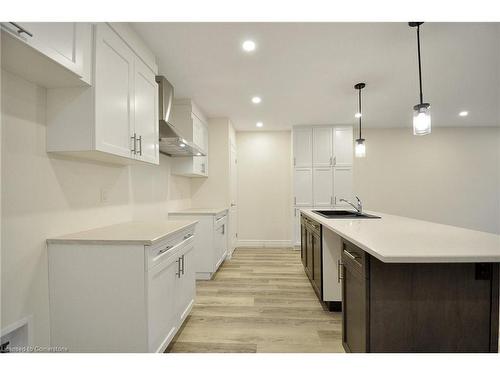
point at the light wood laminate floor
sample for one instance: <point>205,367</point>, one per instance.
<point>259,301</point>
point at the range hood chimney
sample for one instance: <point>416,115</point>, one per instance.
<point>171,142</point>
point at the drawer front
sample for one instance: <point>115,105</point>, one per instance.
<point>354,258</point>
<point>158,252</point>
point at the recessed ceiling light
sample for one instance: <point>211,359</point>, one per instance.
<point>248,45</point>
<point>259,124</point>
<point>463,113</point>
<point>357,115</point>
<point>256,100</point>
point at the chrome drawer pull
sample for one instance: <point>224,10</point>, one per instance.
<point>339,271</point>
<point>165,249</point>
<point>21,29</point>
<point>353,257</point>
<point>188,236</point>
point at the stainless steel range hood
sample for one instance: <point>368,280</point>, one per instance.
<point>171,142</point>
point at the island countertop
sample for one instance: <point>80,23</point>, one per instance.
<point>133,232</point>
<point>398,239</point>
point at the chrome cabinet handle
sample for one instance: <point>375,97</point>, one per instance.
<point>188,236</point>
<point>331,201</point>
<point>339,271</point>
<point>134,149</point>
<point>294,200</point>
<point>294,161</point>
<point>178,273</point>
<point>223,228</point>
<point>21,30</point>
<point>165,249</point>
<point>353,257</point>
<point>331,160</point>
<point>183,263</point>
<point>335,200</point>
<point>335,160</point>
<point>140,145</point>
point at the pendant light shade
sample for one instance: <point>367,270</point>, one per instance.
<point>359,146</point>
<point>421,111</point>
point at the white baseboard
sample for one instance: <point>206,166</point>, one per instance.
<point>264,243</point>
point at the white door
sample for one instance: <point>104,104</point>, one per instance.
<point>303,187</point>
<point>233,209</point>
<point>186,282</point>
<point>302,147</point>
<point>343,146</point>
<point>323,187</point>
<point>161,298</point>
<point>322,146</point>
<point>342,185</point>
<point>114,93</point>
<point>146,114</point>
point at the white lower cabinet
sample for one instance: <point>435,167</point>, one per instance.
<point>211,243</point>
<point>119,296</point>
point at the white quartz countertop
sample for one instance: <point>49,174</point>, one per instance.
<point>133,232</point>
<point>199,211</point>
<point>398,239</point>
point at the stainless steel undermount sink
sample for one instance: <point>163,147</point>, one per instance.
<point>344,214</point>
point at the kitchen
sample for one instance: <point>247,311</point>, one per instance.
<point>205,187</point>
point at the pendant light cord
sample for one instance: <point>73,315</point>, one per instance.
<point>359,97</point>
<point>419,65</point>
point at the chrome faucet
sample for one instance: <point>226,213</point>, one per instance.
<point>358,207</point>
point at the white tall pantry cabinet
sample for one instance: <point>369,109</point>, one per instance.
<point>322,169</point>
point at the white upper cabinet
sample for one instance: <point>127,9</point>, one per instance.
<point>51,54</point>
<point>191,124</point>
<point>322,187</point>
<point>114,120</point>
<point>303,182</point>
<point>322,146</point>
<point>302,147</point>
<point>146,113</point>
<point>114,93</point>
<point>342,181</point>
<point>342,146</point>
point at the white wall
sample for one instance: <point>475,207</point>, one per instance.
<point>264,188</point>
<point>46,195</point>
<point>451,176</point>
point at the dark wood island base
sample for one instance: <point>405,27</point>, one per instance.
<point>418,307</point>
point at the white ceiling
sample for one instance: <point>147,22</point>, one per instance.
<point>305,72</point>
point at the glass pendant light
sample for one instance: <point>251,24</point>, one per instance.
<point>359,147</point>
<point>421,111</point>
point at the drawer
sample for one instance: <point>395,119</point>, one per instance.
<point>169,246</point>
<point>354,258</point>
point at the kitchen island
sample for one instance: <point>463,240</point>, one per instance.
<point>415,286</point>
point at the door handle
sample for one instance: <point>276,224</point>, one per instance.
<point>134,149</point>
<point>183,263</point>
<point>178,273</point>
<point>339,271</point>
<point>21,30</point>
<point>140,145</point>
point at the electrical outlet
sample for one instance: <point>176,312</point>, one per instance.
<point>104,195</point>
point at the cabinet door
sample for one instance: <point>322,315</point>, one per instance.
<point>199,133</point>
<point>114,93</point>
<point>323,187</point>
<point>342,185</point>
<point>322,147</point>
<point>303,187</point>
<point>200,165</point>
<point>342,146</point>
<point>354,314</point>
<point>146,113</point>
<point>185,283</point>
<point>60,41</point>
<point>309,253</point>
<point>317,264</point>
<point>302,147</point>
<point>161,299</point>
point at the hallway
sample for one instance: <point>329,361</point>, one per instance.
<point>259,301</point>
